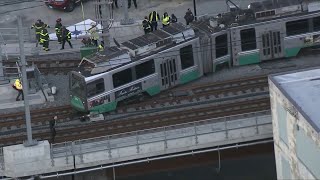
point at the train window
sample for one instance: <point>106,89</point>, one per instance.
<point>96,87</point>
<point>248,39</point>
<point>316,23</point>
<point>186,56</point>
<point>221,45</point>
<point>297,27</point>
<point>145,69</point>
<point>122,77</point>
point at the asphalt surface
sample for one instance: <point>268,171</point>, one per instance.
<point>35,9</point>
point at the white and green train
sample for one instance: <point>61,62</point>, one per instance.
<point>178,54</point>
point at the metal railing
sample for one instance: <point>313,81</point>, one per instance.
<point>162,134</point>
<point>1,159</point>
<point>10,35</point>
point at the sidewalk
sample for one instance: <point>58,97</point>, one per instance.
<point>119,32</point>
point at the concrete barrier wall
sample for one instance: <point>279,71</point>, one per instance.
<point>178,140</point>
<point>43,158</point>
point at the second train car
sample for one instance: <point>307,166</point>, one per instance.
<point>178,54</point>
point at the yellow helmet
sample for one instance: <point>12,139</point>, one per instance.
<point>17,81</point>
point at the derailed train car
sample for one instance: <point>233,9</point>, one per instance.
<point>150,64</point>
<point>178,54</point>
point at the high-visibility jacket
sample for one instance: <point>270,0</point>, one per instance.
<point>44,36</point>
<point>66,34</point>
<point>154,16</point>
<point>58,28</point>
<point>94,33</point>
<point>146,24</point>
<point>165,20</point>
<point>18,84</point>
<point>39,27</point>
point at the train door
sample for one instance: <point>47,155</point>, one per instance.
<point>271,46</point>
<point>168,73</point>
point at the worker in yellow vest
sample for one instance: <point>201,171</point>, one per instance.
<point>154,18</point>
<point>18,86</point>
<point>94,33</point>
<point>165,19</point>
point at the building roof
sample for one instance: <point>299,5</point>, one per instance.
<point>302,89</point>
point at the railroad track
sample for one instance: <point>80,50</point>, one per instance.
<point>171,107</point>
<point>39,117</point>
<point>45,66</point>
<point>103,128</point>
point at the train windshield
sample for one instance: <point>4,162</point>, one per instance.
<point>77,85</point>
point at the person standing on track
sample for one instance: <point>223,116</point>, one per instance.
<point>52,125</point>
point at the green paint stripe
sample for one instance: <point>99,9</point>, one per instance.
<point>104,107</point>
<point>153,90</point>
<point>77,104</point>
<point>292,52</point>
<point>252,58</point>
<point>185,78</point>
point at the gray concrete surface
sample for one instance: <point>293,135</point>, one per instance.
<point>34,10</point>
<point>8,98</point>
<point>142,144</point>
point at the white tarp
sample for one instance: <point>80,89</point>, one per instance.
<point>78,30</point>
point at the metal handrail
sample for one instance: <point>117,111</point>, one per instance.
<point>104,141</point>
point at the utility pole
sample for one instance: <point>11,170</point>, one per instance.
<point>126,20</point>
<point>195,9</point>
<point>30,141</point>
<point>101,9</point>
<point>1,67</point>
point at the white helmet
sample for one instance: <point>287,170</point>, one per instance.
<point>92,23</point>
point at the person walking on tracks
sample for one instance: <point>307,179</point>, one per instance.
<point>18,86</point>
<point>58,29</point>
<point>52,125</point>
<point>154,18</point>
<point>66,36</point>
<point>38,26</point>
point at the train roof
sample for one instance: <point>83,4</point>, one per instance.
<point>137,48</point>
<point>256,12</point>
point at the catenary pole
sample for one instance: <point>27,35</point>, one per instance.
<point>195,9</point>
<point>1,67</point>
<point>30,141</point>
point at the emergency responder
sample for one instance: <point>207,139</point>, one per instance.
<point>65,36</point>
<point>18,86</point>
<point>165,20</point>
<point>146,25</point>
<point>38,26</point>
<point>189,16</point>
<point>44,39</point>
<point>134,2</point>
<point>94,33</point>
<point>58,28</point>
<point>52,124</point>
<point>174,19</point>
<point>154,18</point>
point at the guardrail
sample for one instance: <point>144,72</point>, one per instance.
<point>156,135</point>
<point>11,35</point>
